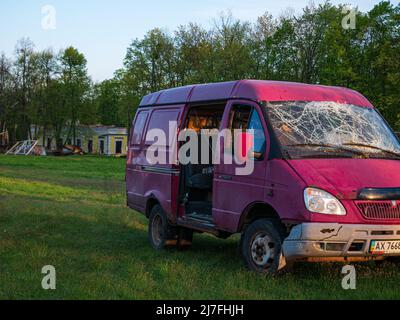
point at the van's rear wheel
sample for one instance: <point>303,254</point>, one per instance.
<point>161,233</point>
<point>261,246</point>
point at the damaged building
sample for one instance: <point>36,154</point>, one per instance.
<point>100,140</point>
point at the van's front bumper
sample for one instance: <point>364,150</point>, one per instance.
<point>329,241</point>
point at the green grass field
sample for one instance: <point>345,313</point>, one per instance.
<point>71,213</point>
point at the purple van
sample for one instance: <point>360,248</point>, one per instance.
<point>324,183</point>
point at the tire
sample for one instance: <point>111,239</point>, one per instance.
<point>261,247</point>
<point>161,233</point>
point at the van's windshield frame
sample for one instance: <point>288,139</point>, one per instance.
<point>309,129</point>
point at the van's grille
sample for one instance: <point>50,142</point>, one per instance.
<point>379,210</point>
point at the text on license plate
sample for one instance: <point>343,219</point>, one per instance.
<point>382,247</point>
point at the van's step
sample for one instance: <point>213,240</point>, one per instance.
<point>199,208</point>
<point>199,225</point>
<point>205,218</point>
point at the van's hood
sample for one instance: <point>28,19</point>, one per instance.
<point>345,177</point>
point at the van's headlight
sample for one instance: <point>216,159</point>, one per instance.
<point>320,201</point>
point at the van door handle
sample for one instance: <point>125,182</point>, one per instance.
<point>227,178</point>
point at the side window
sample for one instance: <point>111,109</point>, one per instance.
<point>260,141</point>
<point>246,118</point>
<point>137,133</point>
<point>240,116</point>
<point>160,120</point>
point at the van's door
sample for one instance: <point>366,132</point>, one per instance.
<point>134,177</point>
<point>234,188</point>
<point>155,173</point>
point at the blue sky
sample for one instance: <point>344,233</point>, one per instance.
<point>103,29</point>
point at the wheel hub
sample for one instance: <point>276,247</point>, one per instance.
<point>263,250</point>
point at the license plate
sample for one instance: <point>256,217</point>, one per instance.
<point>385,247</point>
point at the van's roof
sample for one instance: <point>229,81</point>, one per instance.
<point>258,90</point>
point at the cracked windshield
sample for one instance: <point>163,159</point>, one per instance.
<point>329,129</point>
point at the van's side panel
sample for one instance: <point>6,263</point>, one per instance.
<point>285,192</point>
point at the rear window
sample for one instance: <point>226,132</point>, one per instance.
<point>138,128</point>
<point>161,119</point>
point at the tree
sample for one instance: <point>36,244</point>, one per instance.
<point>262,47</point>
<point>108,99</point>
<point>5,90</point>
<point>151,61</point>
<point>381,52</point>
<point>46,70</point>
<point>23,68</point>
<point>75,83</point>
<point>231,54</point>
<point>194,54</point>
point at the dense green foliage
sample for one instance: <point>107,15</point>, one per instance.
<point>71,213</point>
<point>44,89</point>
<point>312,47</point>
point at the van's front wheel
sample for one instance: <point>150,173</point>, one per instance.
<point>161,233</point>
<point>261,246</point>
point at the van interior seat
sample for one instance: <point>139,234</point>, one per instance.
<point>199,176</point>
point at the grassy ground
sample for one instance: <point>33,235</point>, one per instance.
<point>70,213</point>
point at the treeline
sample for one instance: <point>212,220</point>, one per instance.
<point>48,90</point>
<point>313,47</point>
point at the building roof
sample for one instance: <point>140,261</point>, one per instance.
<point>88,131</point>
<point>258,90</point>
<point>109,130</point>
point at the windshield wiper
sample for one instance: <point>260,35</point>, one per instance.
<point>326,155</point>
<point>331,146</point>
<point>372,147</point>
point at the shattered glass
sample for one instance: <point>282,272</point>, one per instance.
<point>322,124</point>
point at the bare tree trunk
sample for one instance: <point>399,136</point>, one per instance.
<point>44,142</point>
